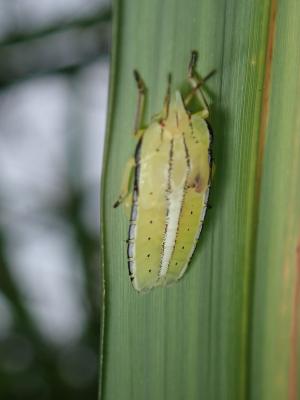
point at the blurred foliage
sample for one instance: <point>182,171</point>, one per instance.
<point>61,47</point>
<point>31,366</point>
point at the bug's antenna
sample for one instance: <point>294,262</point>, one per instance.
<point>139,81</point>
<point>167,97</point>
<point>193,63</point>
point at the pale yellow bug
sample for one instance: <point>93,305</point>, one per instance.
<point>172,174</point>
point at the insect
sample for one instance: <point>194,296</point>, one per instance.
<point>172,169</point>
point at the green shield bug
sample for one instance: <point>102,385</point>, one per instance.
<point>172,175</point>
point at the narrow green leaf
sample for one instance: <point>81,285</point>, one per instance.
<point>228,329</point>
<point>276,287</point>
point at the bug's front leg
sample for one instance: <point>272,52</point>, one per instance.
<point>126,182</point>
<point>203,114</point>
<point>196,84</point>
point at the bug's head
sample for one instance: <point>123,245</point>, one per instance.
<point>178,118</point>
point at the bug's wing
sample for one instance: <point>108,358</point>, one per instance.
<point>193,208</point>
<point>148,222</point>
<point>172,180</point>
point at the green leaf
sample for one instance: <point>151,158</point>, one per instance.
<point>230,328</point>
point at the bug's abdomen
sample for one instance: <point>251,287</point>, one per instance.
<point>172,184</point>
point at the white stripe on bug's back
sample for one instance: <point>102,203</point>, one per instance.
<point>175,197</point>
<point>175,200</point>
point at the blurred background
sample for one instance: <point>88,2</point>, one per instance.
<point>53,95</point>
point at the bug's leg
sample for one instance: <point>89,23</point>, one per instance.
<point>140,103</point>
<point>167,98</point>
<point>194,80</point>
<point>193,91</point>
<point>203,113</point>
<point>196,84</point>
<point>125,187</point>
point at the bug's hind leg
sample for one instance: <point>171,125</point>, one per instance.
<point>140,103</point>
<point>125,187</point>
<point>196,84</point>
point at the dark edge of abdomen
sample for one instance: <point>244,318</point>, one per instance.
<point>133,213</point>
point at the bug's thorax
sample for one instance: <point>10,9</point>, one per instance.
<point>178,119</point>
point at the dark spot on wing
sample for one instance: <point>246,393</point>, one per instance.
<point>198,183</point>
